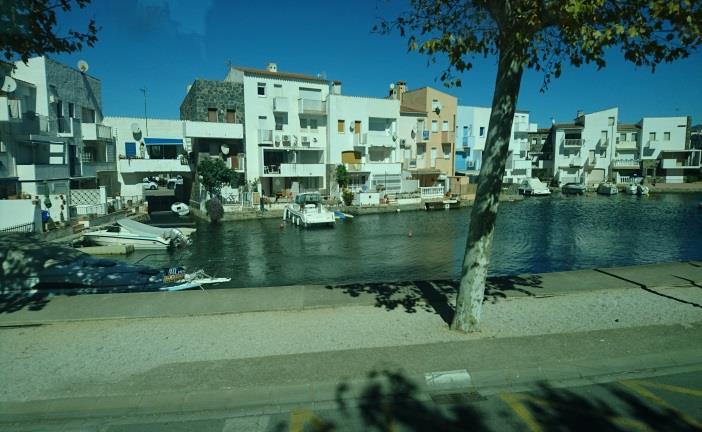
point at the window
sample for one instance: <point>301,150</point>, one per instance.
<point>231,116</point>
<point>313,124</point>
<point>303,123</point>
<point>261,90</point>
<point>277,90</point>
<point>446,149</point>
<point>59,109</point>
<point>622,136</point>
<point>444,126</point>
<point>666,136</point>
<point>435,105</point>
<point>212,115</point>
<point>341,125</point>
<point>87,115</point>
<point>634,136</point>
<point>434,126</point>
<point>280,120</point>
<point>482,131</point>
<point>421,149</point>
<point>71,110</point>
<point>651,136</point>
<point>357,127</point>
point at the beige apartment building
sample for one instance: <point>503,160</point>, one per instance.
<point>435,136</point>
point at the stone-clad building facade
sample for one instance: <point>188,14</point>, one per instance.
<point>206,98</point>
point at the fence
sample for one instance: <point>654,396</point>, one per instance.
<point>431,192</point>
<point>25,227</point>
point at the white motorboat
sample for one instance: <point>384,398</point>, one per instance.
<point>631,189</point>
<point>607,189</point>
<point>533,187</point>
<point>181,209</point>
<point>308,211</point>
<point>141,236</point>
<point>642,190</point>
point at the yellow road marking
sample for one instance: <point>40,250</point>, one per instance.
<point>515,402</point>
<point>639,387</point>
<point>299,418</point>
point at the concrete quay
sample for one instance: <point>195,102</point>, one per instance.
<point>256,349</point>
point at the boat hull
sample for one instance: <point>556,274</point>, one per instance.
<point>442,205</point>
<point>139,242</point>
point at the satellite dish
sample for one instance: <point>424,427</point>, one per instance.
<point>392,86</point>
<point>8,85</point>
<point>225,149</point>
<point>82,66</point>
<point>136,131</point>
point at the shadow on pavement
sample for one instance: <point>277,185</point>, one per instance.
<point>14,302</point>
<point>389,401</point>
<point>438,296</point>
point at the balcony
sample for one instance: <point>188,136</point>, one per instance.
<point>90,169</point>
<point>378,139</point>
<point>197,129</point>
<point>153,166</point>
<point>294,170</point>
<point>265,136</point>
<point>280,104</point>
<point>423,135</point>
<point>447,137</point>
<point>603,142</point>
<point>312,106</point>
<point>654,143</point>
<point>10,109</point>
<point>42,172</point>
<point>95,132</point>
<point>626,163</point>
<point>577,162</point>
<point>626,145</point>
<point>681,160</point>
<point>572,143</point>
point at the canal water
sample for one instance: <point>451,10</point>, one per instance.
<point>532,236</point>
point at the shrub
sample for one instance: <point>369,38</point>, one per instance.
<point>347,196</point>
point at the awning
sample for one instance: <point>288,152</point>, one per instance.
<point>163,141</point>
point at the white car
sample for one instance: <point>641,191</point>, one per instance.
<point>150,185</point>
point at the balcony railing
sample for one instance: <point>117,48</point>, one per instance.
<point>312,106</point>
<point>280,104</point>
<point>265,136</point>
<point>378,139</point>
<point>295,170</point>
<point>431,192</point>
<point>447,136</point>
<point>626,163</point>
<point>95,131</point>
<point>626,145</point>
<point>423,135</point>
<point>573,143</point>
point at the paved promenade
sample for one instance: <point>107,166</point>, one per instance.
<point>251,350</point>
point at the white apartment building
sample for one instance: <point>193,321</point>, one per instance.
<point>583,149</point>
<point>471,131</point>
<point>664,148</point>
<point>285,125</point>
<point>162,148</point>
<point>626,160</point>
<point>364,137</point>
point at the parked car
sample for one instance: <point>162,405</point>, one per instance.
<point>172,182</point>
<point>150,184</point>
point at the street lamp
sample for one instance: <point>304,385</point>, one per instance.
<point>146,118</point>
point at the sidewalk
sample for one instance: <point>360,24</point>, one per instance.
<point>246,349</point>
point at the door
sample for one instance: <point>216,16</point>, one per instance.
<point>357,127</point>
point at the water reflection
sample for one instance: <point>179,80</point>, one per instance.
<point>534,235</point>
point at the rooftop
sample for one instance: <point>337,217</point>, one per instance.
<point>288,75</point>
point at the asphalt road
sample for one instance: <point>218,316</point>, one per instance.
<point>390,402</point>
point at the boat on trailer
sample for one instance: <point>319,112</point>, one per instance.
<point>308,211</point>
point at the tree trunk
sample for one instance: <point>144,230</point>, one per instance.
<point>484,213</point>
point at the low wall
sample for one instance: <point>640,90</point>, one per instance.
<point>20,212</point>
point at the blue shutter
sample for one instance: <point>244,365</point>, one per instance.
<point>130,148</point>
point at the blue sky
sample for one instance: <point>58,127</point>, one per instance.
<point>165,45</point>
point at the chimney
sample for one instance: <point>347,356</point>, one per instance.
<point>400,88</point>
<point>336,87</point>
<point>272,67</point>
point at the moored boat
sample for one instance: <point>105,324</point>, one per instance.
<point>642,189</point>
<point>179,208</point>
<point>573,189</point>
<point>533,187</point>
<point>631,189</point>
<point>446,204</point>
<point>141,236</point>
<point>607,189</point>
<point>308,211</point>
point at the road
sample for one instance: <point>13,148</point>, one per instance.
<point>391,402</point>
